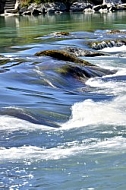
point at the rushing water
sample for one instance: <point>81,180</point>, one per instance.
<point>57,132</point>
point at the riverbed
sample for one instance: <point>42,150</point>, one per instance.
<point>57,132</point>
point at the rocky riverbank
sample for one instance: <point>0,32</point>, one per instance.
<point>59,7</point>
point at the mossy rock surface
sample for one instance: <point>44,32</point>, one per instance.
<point>84,73</point>
<point>4,61</point>
<point>64,56</point>
<point>81,70</point>
<point>74,71</point>
<point>62,34</point>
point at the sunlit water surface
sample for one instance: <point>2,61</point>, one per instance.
<point>55,131</point>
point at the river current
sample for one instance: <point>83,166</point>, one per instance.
<point>57,132</point>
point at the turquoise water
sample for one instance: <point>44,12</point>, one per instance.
<point>58,132</point>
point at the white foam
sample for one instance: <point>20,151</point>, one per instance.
<point>36,153</point>
<point>89,112</point>
<point>110,84</point>
<point>28,154</point>
<point>111,112</point>
<point>10,124</point>
<point>115,49</point>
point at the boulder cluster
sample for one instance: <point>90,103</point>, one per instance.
<point>107,43</point>
<point>59,7</point>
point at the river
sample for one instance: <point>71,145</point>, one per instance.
<point>57,132</point>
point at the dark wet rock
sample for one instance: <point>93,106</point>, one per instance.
<point>109,7</point>
<point>97,45</point>
<point>63,55</point>
<point>23,10</point>
<point>88,8</point>
<point>116,32</point>
<point>27,13</point>
<point>32,9</point>
<point>43,8</point>
<point>60,7</point>
<point>86,53</point>
<point>84,73</point>
<point>4,61</point>
<point>97,2</point>
<point>55,7</point>
<point>74,71</point>
<point>59,34</point>
<point>78,6</point>
<point>36,12</point>
<point>98,7</point>
<point>105,7</point>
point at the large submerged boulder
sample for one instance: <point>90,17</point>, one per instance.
<point>81,69</point>
<point>63,55</point>
<point>84,73</point>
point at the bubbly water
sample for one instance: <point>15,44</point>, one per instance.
<point>57,132</point>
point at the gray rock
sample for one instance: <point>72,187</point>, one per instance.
<point>97,45</point>
<point>81,52</point>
